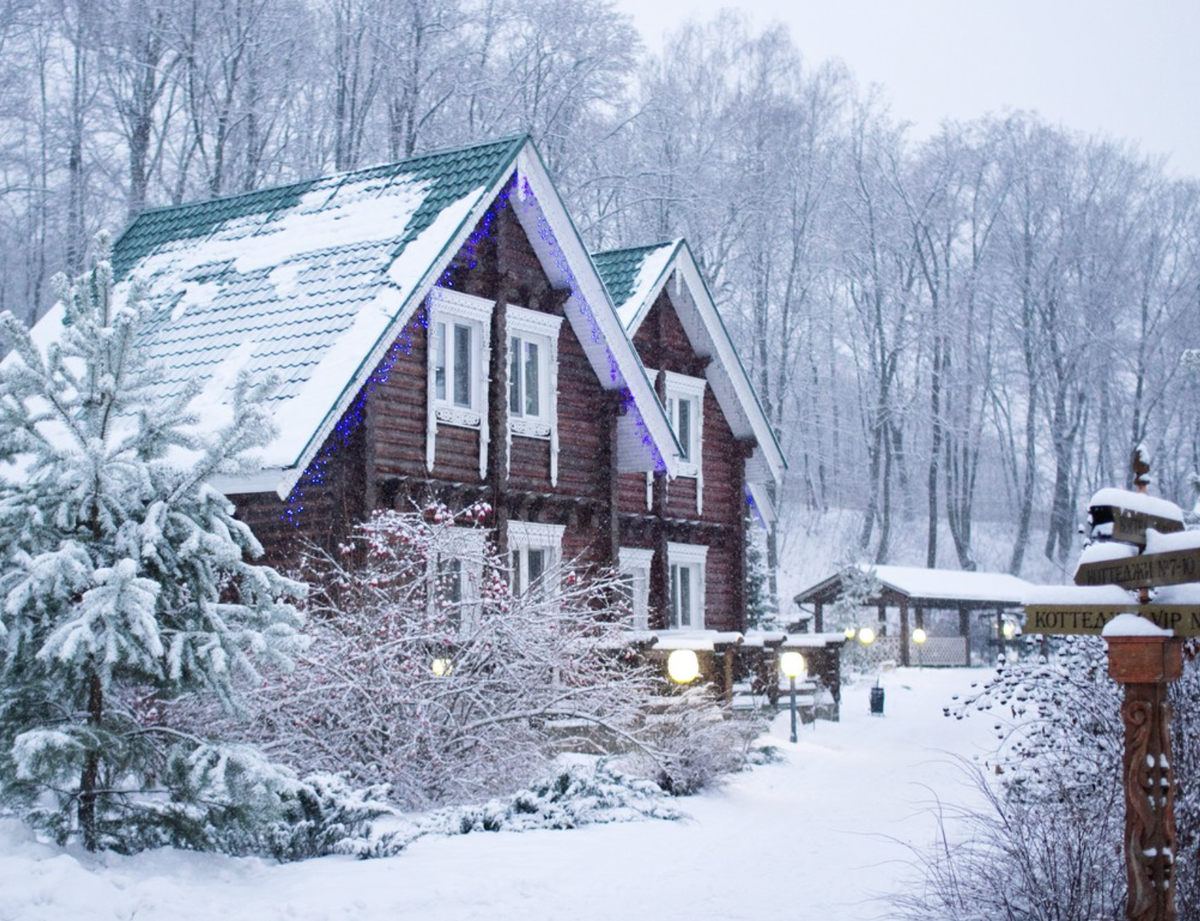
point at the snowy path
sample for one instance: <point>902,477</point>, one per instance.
<point>808,838</point>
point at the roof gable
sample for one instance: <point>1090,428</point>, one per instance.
<point>636,276</point>
<point>315,282</point>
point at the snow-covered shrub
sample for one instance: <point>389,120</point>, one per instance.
<point>1054,802</point>
<point>124,577</point>
<point>1054,857</point>
<point>576,795</point>
<point>428,674</point>
<point>691,742</point>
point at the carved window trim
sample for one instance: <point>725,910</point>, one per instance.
<point>456,308</point>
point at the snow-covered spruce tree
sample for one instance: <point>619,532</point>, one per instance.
<point>762,611</point>
<point>124,583</point>
<point>427,673</point>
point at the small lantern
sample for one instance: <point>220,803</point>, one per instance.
<point>1009,629</point>
<point>792,664</point>
<point>851,632</point>
<point>683,666</point>
<point>441,667</point>
<point>866,636</point>
<point>919,636</point>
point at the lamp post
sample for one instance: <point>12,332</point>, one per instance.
<point>792,664</point>
<point>866,636</point>
<point>683,666</point>
<point>919,637</point>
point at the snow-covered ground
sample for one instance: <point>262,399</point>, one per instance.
<point>819,835</point>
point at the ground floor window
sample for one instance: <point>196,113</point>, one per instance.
<point>634,568</point>
<point>534,550</point>
<point>687,568</point>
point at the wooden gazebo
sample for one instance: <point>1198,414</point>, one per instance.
<point>917,592</point>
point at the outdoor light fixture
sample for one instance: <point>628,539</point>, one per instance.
<point>441,667</point>
<point>1009,629</point>
<point>919,636</point>
<point>850,632</point>
<point>683,666</point>
<point>792,664</point>
<point>866,636</point>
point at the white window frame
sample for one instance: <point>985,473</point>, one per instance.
<point>636,563</point>
<point>524,536</point>
<point>691,558</point>
<point>541,329</point>
<point>680,388</point>
<point>467,546</point>
<point>453,308</point>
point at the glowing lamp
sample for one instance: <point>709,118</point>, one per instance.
<point>851,632</point>
<point>866,636</point>
<point>1009,629</point>
<point>792,664</point>
<point>919,636</point>
<point>683,666</point>
<point>441,667</point>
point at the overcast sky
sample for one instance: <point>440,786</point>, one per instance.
<point>1128,69</point>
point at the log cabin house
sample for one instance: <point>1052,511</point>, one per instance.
<point>438,329</point>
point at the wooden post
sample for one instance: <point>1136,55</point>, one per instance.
<point>904,632</point>
<point>819,617</point>
<point>1145,665</point>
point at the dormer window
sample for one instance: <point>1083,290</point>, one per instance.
<point>533,378</point>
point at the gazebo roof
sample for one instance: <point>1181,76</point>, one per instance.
<point>933,587</point>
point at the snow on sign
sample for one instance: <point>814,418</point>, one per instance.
<point>1068,619</point>
<point>1121,515</point>
<point>1145,571</point>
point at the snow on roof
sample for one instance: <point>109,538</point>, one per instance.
<point>949,585</point>
<point>301,282</point>
<point>634,276</point>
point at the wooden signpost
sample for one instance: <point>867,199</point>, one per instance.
<point>1144,665</point>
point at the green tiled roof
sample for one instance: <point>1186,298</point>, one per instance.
<point>619,269</point>
<point>301,281</point>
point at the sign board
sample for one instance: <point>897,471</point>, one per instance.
<point>1069,619</point>
<point>1145,571</point>
<point>1129,526</point>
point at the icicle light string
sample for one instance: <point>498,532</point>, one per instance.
<point>315,475</point>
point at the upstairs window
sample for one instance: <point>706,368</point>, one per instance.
<point>685,410</point>
<point>458,356</point>
<point>527,377</point>
<point>455,362</point>
<point>533,373</point>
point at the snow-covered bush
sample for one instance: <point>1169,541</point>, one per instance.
<point>1044,858</point>
<point>1055,808</point>
<point>427,673</point>
<point>124,579</point>
<point>691,743</point>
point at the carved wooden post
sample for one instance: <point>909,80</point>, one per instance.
<point>1145,665</point>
